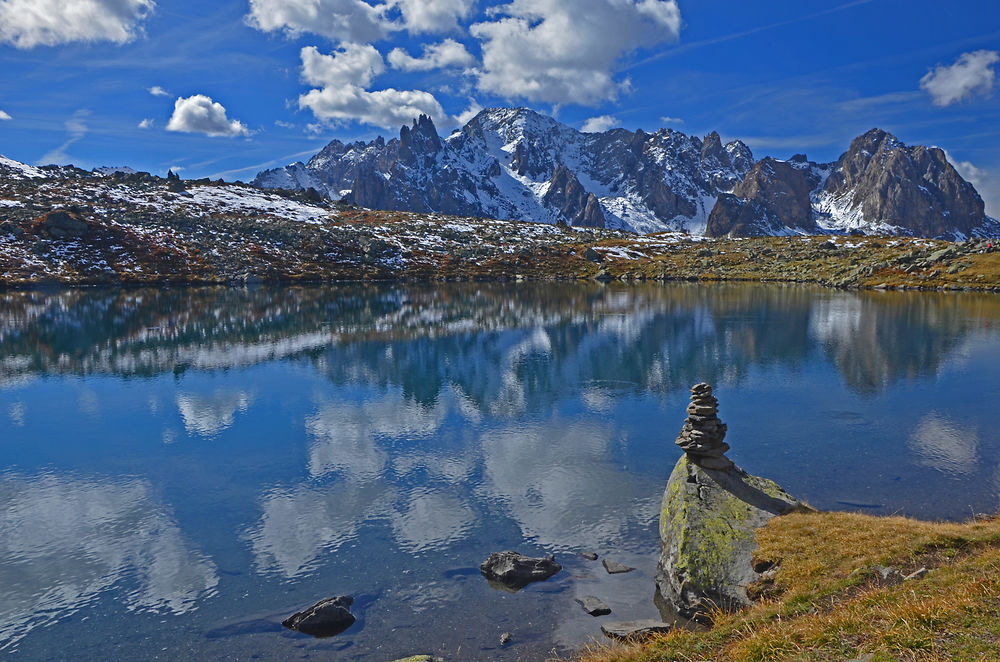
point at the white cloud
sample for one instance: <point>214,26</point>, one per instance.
<point>147,123</point>
<point>76,129</point>
<point>337,20</point>
<point>30,23</point>
<point>353,65</point>
<point>982,180</point>
<point>158,91</point>
<point>666,119</point>
<point>342,80</point>
<point>971,74</point>
<point>557,52</point>
<point>356,21</point>
<point>199,114</point>
<point>5,116</point>
<point>599,124</point>
<point>470,112</point>
<point>448,53</point>
<point>433,15</point>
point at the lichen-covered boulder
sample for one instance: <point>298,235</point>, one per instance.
<point>707,525</point>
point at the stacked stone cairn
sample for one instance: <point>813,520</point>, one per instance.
<point>703,433</point>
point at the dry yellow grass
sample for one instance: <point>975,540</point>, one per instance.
<point>826,603</point>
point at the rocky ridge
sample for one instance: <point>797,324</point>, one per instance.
<point>878,186</point>
<point>518,164</point>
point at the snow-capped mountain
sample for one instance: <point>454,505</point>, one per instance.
<point>878,186</point>
<point>519,164</point>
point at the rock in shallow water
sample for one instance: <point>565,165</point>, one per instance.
<point>593,605</point>
<point>516,571</point>
<point>634,630</point>
<point>324,619</point>
<point>614,567</point>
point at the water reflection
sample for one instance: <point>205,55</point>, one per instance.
<point>211,413</point>
<point>648,336</point>
<point>559,482</point>
<point>64,540</point>
<point>946,445</point>
<point>299,524</point>
<point>390,435</point>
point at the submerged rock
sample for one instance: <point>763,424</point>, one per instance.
<point>324,619</point>
<point>516,571</point>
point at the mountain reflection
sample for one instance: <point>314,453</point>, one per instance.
<point>544,338</point>
<point>65,540</point>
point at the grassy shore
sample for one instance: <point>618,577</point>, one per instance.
<point>827,599</point>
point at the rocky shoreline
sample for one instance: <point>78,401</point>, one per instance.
<point>74,246</point>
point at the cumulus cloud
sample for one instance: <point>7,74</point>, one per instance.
<point>341,94</point>
<point>470,112</point>
<point>557,52</point>
<point>433,15</point>
<point>666,119</point>
<point>352,65</point>
<point>199,114</point>
<point>158,91</point>
<point>448,53</point>
<point>337,20</point>
<point>983,181</point>
<point>30,23</point>
<point>971,74</point>
<point>5,116</point>
<point>599,124</point>
<point>356,21</point>
<point>147,123</point>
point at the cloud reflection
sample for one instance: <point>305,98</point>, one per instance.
<point>64,541</point>
<point>945,445</point>
<point>559,483</point>
<point>208,415</point>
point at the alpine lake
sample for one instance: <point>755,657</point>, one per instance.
<point>182,468</point>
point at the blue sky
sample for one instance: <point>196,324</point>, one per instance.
<point>225,88</point>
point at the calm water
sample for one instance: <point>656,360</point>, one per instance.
<point>179,469</point>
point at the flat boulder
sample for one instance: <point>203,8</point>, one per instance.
<point>515,571</point>
<point>593,605</point>
<point>326,618</point>
<point>616,568</point>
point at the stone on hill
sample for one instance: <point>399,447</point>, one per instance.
<point>63,224</point>
<point>710,511</point>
